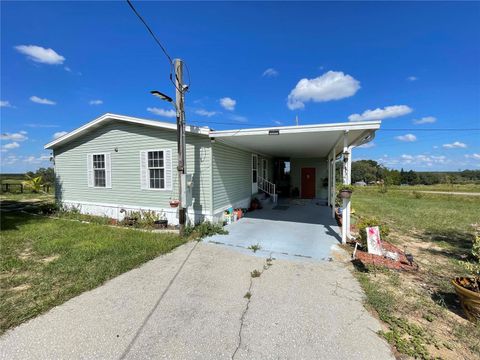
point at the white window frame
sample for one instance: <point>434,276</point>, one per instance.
<point>107,163</point>
<point>150,168</point>
<point>145,170</point>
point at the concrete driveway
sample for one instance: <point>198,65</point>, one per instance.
<point>292,228</point>
<point>191,304</point>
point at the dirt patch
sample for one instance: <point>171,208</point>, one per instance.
<point>22,287</point>
<point>26,254</point>
<point>49,259</point>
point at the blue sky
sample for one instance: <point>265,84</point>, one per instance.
<point>414,65</point>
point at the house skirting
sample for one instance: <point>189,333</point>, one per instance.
<point>113,211</point>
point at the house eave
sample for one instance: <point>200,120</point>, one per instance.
<point>128,119</point>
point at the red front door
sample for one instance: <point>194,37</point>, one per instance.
<point>308,183</point>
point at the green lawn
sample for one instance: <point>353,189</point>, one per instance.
<point>409,210</point>
<point>44,262</point>
<point>420,310</point>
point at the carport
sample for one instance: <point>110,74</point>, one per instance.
<point>292,228</point>
<point>324,143</point>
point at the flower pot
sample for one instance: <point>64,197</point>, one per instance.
<point>470,300</point>
<point>346,194</point>
<point>174,203</point>
<point>161,224</point>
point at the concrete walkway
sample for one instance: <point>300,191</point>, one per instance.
<point>190,304</point>
<point>292,228</point>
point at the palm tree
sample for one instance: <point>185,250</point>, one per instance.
<point>33,183</point>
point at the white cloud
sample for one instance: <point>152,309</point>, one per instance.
<point>278,122</point>
<point>203,112</point>
<point>95,102</point>
<point>162,112</point>
<point>9,160</point>
<point>406,138</point>
<point>412,78</point>
<point>67,69</point>
<point>455,145</point>
<point>333,85</point>
<point>380,114</point>
<point>270,72</point>
<point>36,159</point>
<point>422,159</point>
<point>238,118</point>
<point>473,156</point>
<point>425,120</point>
<point>40,54</point>
<point>20,136</point>
<point>228,103</point>
<point>5,103</point>
<point>10,146</point>
<point>38,100</point>
<point>59,134</point>
<point>367,145</point>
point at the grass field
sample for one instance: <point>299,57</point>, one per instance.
<point>421,313</point>
<point>44,262</point>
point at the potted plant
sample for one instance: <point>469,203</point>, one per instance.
<point>161,222</point>
<point>174,203</point>
<point>468,288</point>
<point>345,191</point>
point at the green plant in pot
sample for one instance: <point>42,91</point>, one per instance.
<point>345,191</point>
<point>468,288</point>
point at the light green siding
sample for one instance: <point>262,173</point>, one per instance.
<point>130,139</point>
<point>232,175</point>
<point>321,173</point>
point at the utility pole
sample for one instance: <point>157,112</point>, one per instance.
<point>179,101</point>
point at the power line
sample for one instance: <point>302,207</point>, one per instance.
<point>150,31</point>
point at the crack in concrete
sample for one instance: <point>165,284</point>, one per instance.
<point>267,265</point>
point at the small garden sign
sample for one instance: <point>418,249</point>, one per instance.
<point>373,240</point>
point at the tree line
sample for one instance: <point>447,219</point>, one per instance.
<point>369,171</point>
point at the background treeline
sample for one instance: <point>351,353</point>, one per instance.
<point>47,174</point>
<point>370,171</point>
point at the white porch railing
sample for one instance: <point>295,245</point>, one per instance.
<point>267,187</point>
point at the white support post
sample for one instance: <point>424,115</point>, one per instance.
<point>334,191</point>
<point>329,191</point>
<point>346,172</point>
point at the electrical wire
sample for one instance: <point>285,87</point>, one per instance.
<point>150,31</point>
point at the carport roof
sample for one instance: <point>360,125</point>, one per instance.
<point>305,141</point>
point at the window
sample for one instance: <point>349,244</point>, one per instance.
<point>156,170</point>
<point>265,168</point>
<point>254,168</point>
<point>99,172</point>
<point>99,179</point>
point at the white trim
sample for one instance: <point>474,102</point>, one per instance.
<point>129,119</point>
<point>91,172</point>
<point>363,125</point>
<point>167,183</point>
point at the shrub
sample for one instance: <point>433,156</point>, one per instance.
<point>474,265</point>
<point>204,229</point>
<point>369,222</point>
<point>343,187</point>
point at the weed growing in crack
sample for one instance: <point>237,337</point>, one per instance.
<point>248,295</point>
<point>255,247</point>
<point>255,273</point>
